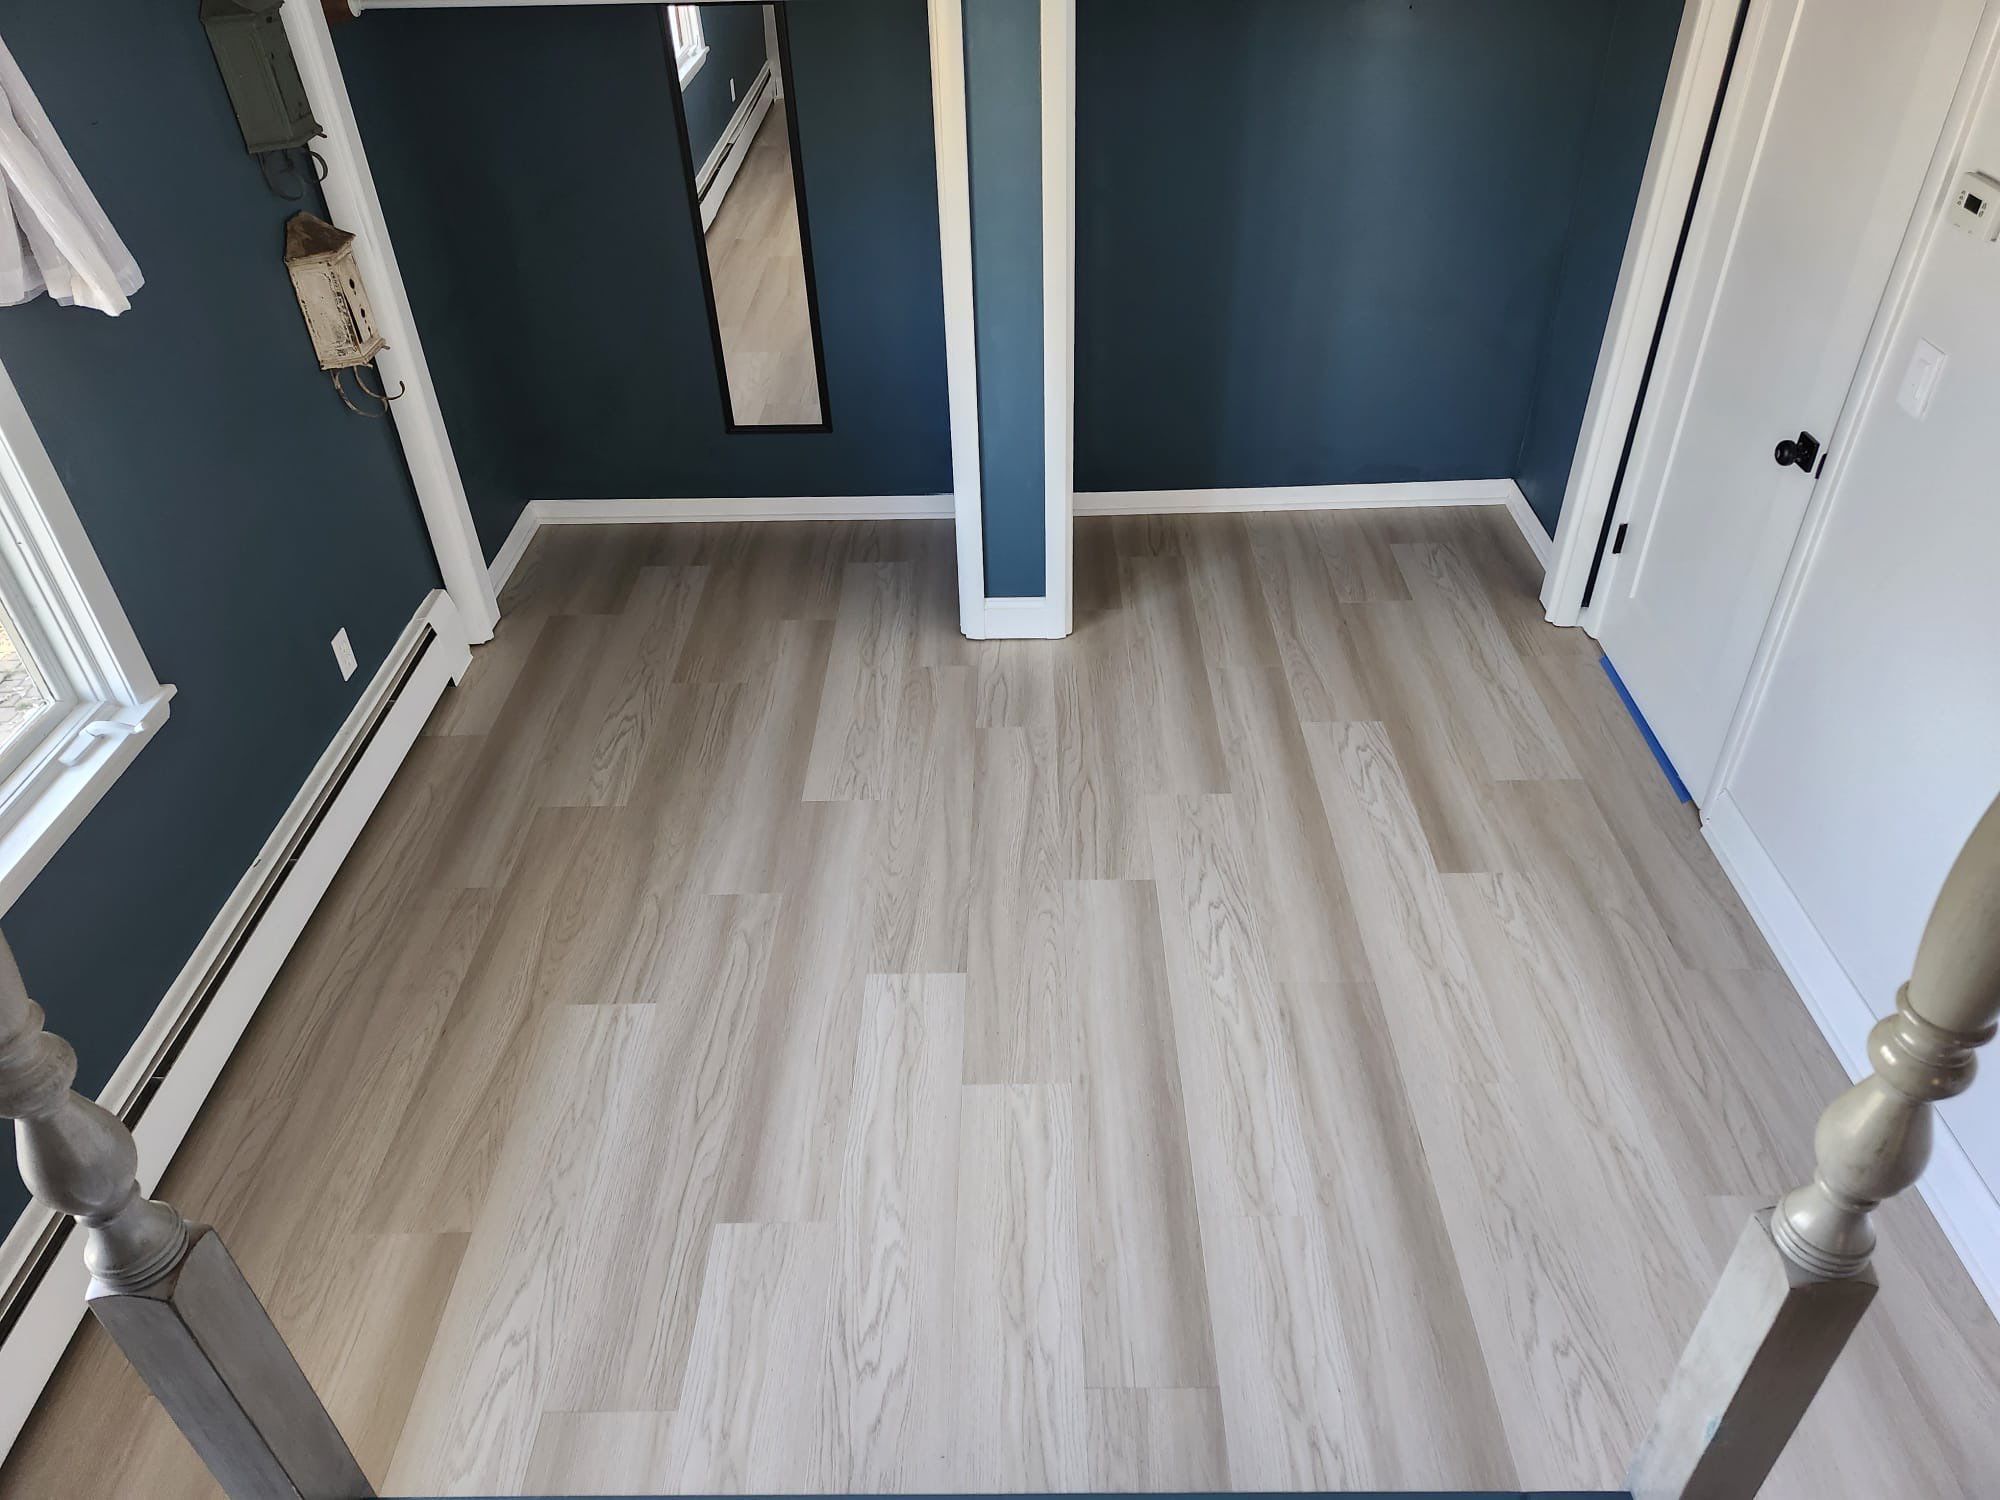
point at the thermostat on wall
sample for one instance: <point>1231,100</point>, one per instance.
<point>1975,205</point>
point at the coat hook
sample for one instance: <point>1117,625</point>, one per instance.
<point>341,391</point>
<point>402,388</point>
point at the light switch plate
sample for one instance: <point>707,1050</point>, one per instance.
<point>1920,379</point>
<point>343,653</point>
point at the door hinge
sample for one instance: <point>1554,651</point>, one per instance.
<point>1618,542</point>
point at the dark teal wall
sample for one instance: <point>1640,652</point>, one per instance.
<point>243,516</point>
<point>1325,241</point>
<point>1630,78</point>
<point>1003,101</point>
<point>526,161</point>
<point>735,37</point>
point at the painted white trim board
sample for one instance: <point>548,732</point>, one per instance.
<point>1058,85</point>
<point>253,957</point>
<point>1037,618</point>
<point>665,512</point>
<point>1298,497</point>
<point>1965,1206</point>
<point>719,172</point>
<point>352,201</point>
<point>1530,525</point>
<point>1325,497</point>
<point>753,508</point>
<point>982,618</point>
<point>508,558</point>
<point>961,346</point>
<point>1666,192</point>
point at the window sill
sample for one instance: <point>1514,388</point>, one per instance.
<point>50,798</point>
<point>693,65</point>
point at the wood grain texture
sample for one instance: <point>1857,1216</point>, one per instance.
<point>1286,1034</point>
<point>1018,1421</point>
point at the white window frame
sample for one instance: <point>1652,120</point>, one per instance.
<point>690,46</point>
<point>107,702</point>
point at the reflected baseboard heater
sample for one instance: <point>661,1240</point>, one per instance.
<point>713,180</point>
<point>160,1087</point>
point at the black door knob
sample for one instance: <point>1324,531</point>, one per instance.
<point>1802,452</point>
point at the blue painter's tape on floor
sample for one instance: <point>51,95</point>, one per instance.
<point>1652,740</point>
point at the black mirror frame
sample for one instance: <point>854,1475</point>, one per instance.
<point>729,422</point>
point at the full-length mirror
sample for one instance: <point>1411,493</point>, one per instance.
<point>739,148</point>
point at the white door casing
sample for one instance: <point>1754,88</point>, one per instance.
<point>1833,114</point>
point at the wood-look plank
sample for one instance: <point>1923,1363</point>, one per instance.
<point>1488,682</point>
<point>1360,1091</point>
<point>759,1343</point>
<point>1661,835</point>
<point>1107,754</point>
<point>922,913</point>
<point>1520,1236</point>
<point>457,1114</point>
<point>602,1453</point>
<point>1157,1441</point>
<point>1018,1420</point>
<point>883,1421</point>
<point>1242,1099</point>
<point>1305,918</point>
<point>796,1096</point>
<point>853,748</point>
<point>1278,1343</point>
<point>1436,743</point>
<point>505,785</point>
<point>599,754</point>
<point>472,1421</point>
<point>1145,1304</point>
<point>1323,662</point>
<point>666,1135</point>
<point>1405,1338</point>
<point>1168,671</point>
<point>1017,1027</point>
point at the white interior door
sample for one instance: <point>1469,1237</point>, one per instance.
<point>1830,122</point>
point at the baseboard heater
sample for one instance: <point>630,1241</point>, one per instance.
<point>163,1081</point>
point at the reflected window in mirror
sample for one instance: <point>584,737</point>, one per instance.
<point>739,150</point>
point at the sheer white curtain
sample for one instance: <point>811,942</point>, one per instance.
<point>53,236</point>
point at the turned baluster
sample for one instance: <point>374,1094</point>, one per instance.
<point>1799,1278</point>
<point>166,1290</point>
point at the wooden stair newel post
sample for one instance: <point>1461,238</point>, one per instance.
<point>1799,1278</point>
<point>164,1289</point>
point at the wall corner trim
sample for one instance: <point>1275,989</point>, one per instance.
<point>205,1011</point>
<point>1964,1205</point>
<point>1539,541</point>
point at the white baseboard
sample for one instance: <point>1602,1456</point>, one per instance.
<point>1034,619</point>
<point>725,160</point>
<point>1326,497</point>
<point>231,969</point>
<point>1297,497</point>
<point>508,558</point>
<point>539,513</point>
<point>1964,1205</point>
<point>732,508</point>
<point>1539,541</point>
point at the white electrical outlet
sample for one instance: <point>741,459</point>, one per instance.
<point>343,653</point>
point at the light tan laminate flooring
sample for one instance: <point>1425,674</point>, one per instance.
<point>1286,1035</point>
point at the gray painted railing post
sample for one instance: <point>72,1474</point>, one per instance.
<point>1799,1279</point>
<point>164,1289</point>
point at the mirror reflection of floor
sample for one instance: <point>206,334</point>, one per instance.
<point>758,266</point>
